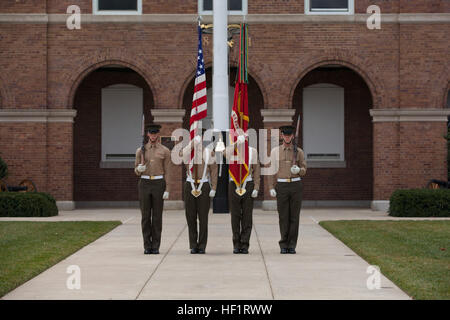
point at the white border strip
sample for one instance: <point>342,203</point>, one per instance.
<point>402,18</point>
<point>30,115</point>
<point>409,115</point>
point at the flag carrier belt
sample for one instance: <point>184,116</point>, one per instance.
<point>247,179</point>
<point>152,177</point>
<point>189,179</point>
<point>289,180</point>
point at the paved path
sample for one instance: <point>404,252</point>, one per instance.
<point>114,266</point>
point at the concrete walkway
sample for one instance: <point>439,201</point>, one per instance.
<point>114,266</point>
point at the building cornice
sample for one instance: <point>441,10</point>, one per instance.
<point>35,115</point>
<point>409,115</point>
<point>402,18</point>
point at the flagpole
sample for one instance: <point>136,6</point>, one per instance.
<point>221,114</point>
<point>220,66</point>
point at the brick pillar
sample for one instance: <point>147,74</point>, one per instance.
<point>60,157</point>
<point>409,150</point>
<point>171,119</point>
<point>37,144</point>
<point>273,119</point>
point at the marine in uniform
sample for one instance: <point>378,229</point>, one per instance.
<point>200,186</point>
<point>286,186</point>
<point>152,166</point>
<point>241,206</point>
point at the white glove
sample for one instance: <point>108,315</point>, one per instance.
<point>240,139</point>
<point>295,169</point>
<point>273,193</point>
<point>141,168</point>
<point>165,195</point>
<point>212,193</point>
<point>254,193</point>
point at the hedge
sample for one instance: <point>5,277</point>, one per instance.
<point>3,169</point>
<point>420,203</point>
<point>27,204</point>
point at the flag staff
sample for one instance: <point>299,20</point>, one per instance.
<point>220,99</point>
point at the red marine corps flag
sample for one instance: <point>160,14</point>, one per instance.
<point>238,165</point>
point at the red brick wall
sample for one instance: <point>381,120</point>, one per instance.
<point>163,64</point>
<point>90,181</point>
<point>423,153</point>
<point>23,146</point>
<point>23,65</point>
<point>355,181</point>
<point>425,6</point>
<point>386,157</point>
<point>60,160</point>
<point>408,155</point>
<point>275,6</point>
<point>424,67</point>
<point>22,6</point>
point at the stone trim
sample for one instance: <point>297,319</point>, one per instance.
<point>380,205</point>
<point>37,115</point>
<point>409,115</point>
<point>277,115</point>
<point>65,205</point>
<point>402,18</point>
<point>168,115</point>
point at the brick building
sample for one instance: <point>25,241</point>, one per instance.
<point>373,103</point>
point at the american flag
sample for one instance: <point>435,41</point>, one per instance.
<point>199,104</point>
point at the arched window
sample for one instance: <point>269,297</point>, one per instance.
<point>323,122</point>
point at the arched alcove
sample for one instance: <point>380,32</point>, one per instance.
<point>333,102</point>
<point>109,101</point>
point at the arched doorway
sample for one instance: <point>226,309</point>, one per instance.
<point>107,130</point>
<point>334,102</point>
<point>255,102</point>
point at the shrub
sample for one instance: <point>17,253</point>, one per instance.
<point>27,204</point>
<point>448,153</point>
<point>420,203</point>
<point>3,169</point>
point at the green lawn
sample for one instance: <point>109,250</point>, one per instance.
<point>415,255</point>
<point>28,248</point>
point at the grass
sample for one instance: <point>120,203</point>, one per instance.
<point>29,248</point>
<point>415,255</point>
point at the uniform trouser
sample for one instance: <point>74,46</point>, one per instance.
<point>289,203</point>
<point>197,208</point>
<point>241,208</point>
<point>151,202</point>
